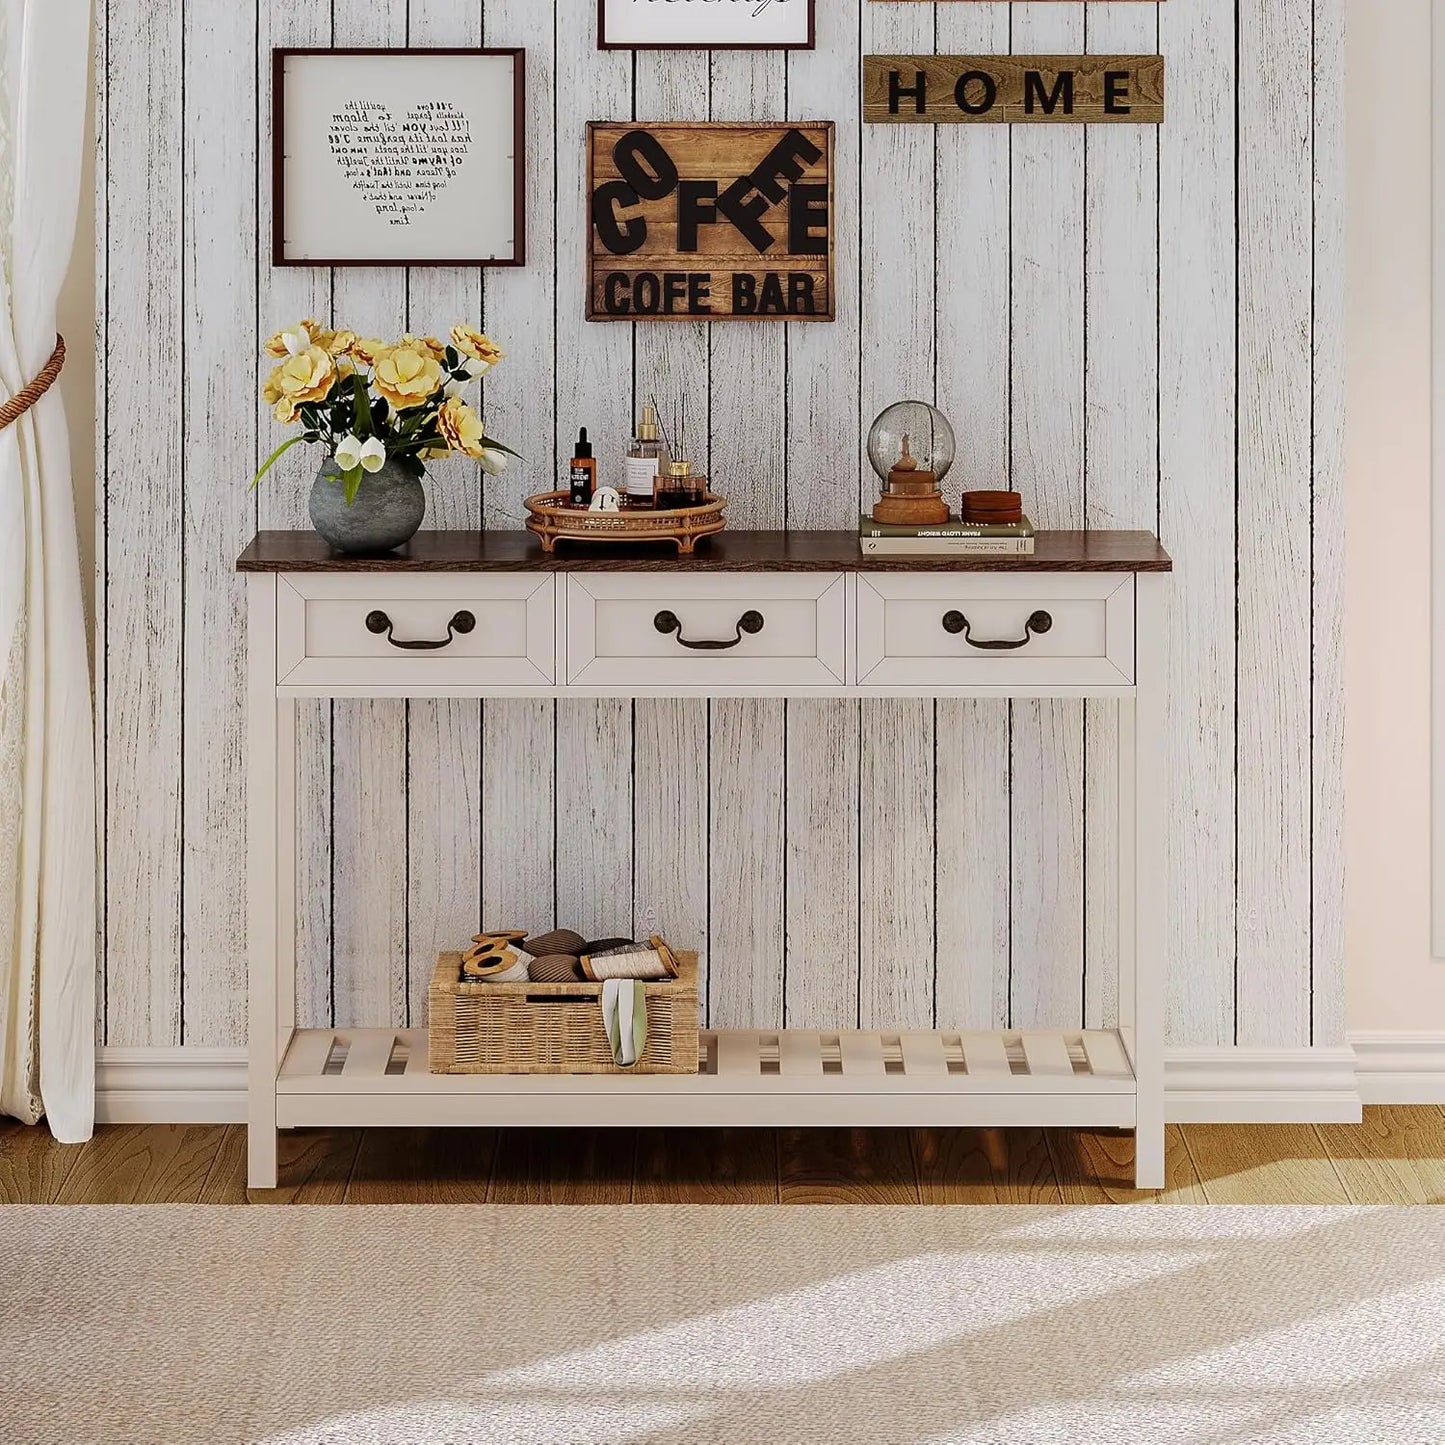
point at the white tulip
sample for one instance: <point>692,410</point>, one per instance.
<point>475,368</point>
<point>494,462</point>
<point>373,455</point>
<point>296,341</point>
<point>453,388</point>
<point>348,453</point>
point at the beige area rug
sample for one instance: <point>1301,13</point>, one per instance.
<point>684,1326</point>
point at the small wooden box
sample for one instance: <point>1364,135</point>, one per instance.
<point>553,1028</point>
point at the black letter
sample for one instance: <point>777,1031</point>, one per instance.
<point>746,215</point>
<point>1116,92</point>
<point>1034,91</point>
<point>807,216</point>
<point>897,90</point>
<point>615,302</point>
<point>786,161</point>
<point>631,151</point>
<point>620,240</point>
<point>990,92</point>
<point>696,205</point>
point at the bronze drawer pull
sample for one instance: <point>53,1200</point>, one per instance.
<point>379,622</point>
<point>956,622</point>
<point>750,622</point>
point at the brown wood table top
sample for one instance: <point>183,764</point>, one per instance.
<point>517,551</point>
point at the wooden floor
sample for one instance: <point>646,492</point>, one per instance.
<point>1397,1156</point>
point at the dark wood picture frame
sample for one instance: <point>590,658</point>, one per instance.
<point>603,43</point>
<point>830,132</point>
<point>279,59</point>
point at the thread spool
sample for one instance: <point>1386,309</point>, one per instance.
<point>609,945</point>
<point>559,940</point>
<point>495,962</point>
<point>556,968</point>
<point>656,962</point>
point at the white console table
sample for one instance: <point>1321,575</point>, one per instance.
<point>467,614</point>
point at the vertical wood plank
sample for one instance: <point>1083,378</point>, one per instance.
<point>285,296</point>
<point>101,432</point>
<point>1327,547</point>
<point>1276,440</point>
<point>745,864</point>
<point>821,858</point>
<point>219,419</point>
<point>594,817</point>
<point>144,484</point>
<point>895,876</point>
<point>973,339</point>
<point>1121,435</point>
<point>973,864</point>
<point>518,814</point>
<point>369,773</point>
<point>823,397</point>
<point>1048,468</point>
<point>898,347</point>
<point>670,812</point>
<point>1197,304</point>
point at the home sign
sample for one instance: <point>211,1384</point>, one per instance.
<point>1006,89</point>
<point>707,220</point>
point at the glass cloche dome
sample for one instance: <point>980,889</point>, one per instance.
<point>911,436</point>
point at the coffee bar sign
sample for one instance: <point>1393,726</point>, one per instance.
<point>1011,89</point>
<point>708,220</point>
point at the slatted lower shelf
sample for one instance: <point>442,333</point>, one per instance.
<point>793,1076</point>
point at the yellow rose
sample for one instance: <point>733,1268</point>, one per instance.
<point>339,343</point>
<point>408,376</point>
<point>306,377</point>
<point>427,344</point>
<point>369,351</point>
<point>295,341</point>
<point>470,342</point>
<point>461,427</point>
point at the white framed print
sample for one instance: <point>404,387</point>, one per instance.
<point>706,24</point>
<point>398,158</point>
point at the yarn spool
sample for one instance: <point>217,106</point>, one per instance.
<point>609,945</point>
<point>656,962</point>
<point>556,968</point>
<point>559,940</point>
<point>494,960</point>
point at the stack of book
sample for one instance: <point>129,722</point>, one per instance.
<point>949,538</point>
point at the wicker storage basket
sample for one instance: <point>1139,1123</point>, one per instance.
<point>553,1028</point>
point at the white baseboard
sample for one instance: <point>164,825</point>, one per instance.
<point>1261,1086</point>
<point>170,1086</point>
<point>1203,1086</point>
<point>1400,1068</point>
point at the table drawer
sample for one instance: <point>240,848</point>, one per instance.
<point>658,630</point>
<point>427,630</point>
<point>1046,630</point>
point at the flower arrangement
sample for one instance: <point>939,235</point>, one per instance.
<point>372,402</point>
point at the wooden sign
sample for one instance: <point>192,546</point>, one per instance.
<point>719,25</point>
<point>700,220</point>
<point>1006,89</point>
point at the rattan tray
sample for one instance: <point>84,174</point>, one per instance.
<point>553,1028</point>
<point>553,517</point>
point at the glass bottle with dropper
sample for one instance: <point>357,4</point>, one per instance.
<point>644,461</point>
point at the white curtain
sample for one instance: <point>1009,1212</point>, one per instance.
<point>47,770</point>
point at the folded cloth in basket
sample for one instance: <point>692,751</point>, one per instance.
<point>624,1016</point>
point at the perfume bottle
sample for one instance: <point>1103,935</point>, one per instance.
<point>644,461</point>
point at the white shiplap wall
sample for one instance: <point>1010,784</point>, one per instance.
<point>1138,327</point>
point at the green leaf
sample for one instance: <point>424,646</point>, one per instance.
<point>454,358</point>
<point>492,444</point>
<point>379,411</point>
<point>352,480</point>
<point>273,459</point>
<point>363,404</point>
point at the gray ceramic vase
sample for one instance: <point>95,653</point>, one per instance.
<point>387,512</point>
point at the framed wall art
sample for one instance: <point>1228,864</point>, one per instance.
<point>398,158</point>
<point>718,25</point>
<point>710,220</point>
